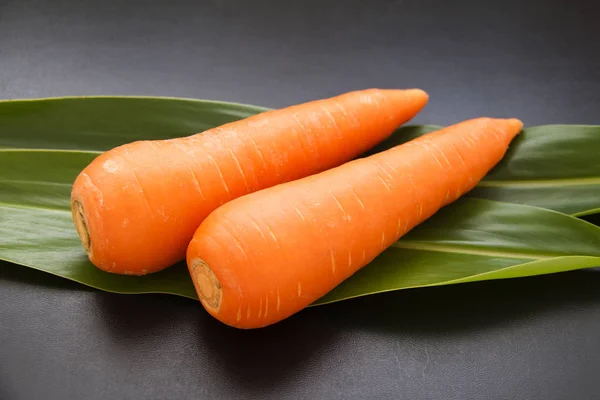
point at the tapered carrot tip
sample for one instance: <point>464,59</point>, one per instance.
<point>515,124</point>
<point>263,257</point>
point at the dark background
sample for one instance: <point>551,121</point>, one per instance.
<point>533,338</point>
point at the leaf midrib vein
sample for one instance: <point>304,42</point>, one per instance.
<point>537,183</point>
<point>38,208</point>
<point>34,182</point>
<point>415,245</point>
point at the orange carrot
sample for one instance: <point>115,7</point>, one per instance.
<point>265,256</point>
<point>136,207</point>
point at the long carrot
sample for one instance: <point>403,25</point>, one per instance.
<point>265,256</point>
<point>137,206</point>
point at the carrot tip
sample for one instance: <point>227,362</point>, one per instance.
<point>516,124</point>
<point>81,225</point>
<point>207,285</point>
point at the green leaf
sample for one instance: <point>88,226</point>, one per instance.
<point>553,166</point>
<point>472,239</point>
<point>101,123</point>
<point>40,178</point>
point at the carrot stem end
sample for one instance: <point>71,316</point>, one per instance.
<point>81,225</point>
<point>207,285</point>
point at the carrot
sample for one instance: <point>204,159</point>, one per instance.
<point>267,255</point>
<point>136,207</point>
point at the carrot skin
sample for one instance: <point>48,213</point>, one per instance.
<point>267,255</point>
<point>137,206</point>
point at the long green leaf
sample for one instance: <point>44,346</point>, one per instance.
<point>101,123</point>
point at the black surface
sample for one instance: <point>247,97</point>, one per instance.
<point>534,338</point>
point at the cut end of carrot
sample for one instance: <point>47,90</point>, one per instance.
<point>207,285</point>
<point>81,225</point>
